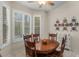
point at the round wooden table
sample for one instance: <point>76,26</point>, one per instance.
<point>46,46</point>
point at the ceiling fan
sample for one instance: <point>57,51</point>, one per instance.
<point>42,3</point>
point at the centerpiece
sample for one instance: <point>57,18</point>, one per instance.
<point>45,42</point>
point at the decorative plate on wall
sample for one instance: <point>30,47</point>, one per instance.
<point>76,24</point>
<point>57,21</point>
<point>57,28</point>
<point>74,28</point>
<point>65,20</point>
<point>71,24</point>
<point>55,25</point>
<point>64,28</point>
<point>73,20</point>
<point>59,24</point>
<point>65,24</point>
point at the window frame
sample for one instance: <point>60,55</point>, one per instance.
<point>34,23</point>
<point>23,22</point>
<point>13,24</point>
<point>30,23</point>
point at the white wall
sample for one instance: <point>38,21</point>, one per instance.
<point>68,10</point>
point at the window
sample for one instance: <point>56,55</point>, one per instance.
<point>24,24</point>
<point>18,25</point>
<point>27,25</point>
<point>37,25</point>
<point>5,27</point>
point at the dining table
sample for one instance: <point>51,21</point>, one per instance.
<point>46,46</point>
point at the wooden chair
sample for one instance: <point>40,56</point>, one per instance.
<point>27,37</point>
<point>59,53</point>
<point>36,37</point>
<point>29,51</point>
<point>35,52</point>
<point>53,36</point>
<point>29,45</point>
<point>28,40</point>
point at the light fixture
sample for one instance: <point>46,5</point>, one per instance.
<point>42,2</point>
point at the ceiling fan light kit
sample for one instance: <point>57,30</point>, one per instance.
<point>43,3</point>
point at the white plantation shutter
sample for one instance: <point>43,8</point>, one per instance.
<point>36,25</point>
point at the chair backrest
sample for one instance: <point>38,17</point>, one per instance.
<point>63,45</point>
<point>27,37</point>
<point>29,51</point>
<point>53,36</point>
<point>36,37</point>
<point>29,45</point>
<point>27,40</point>
<point>35,52</point>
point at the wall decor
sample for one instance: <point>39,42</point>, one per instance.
<point>73,19</point>
<point>57,21</point>
<point>65,20</point>
<point>55,25</point>
<point>74,28</point>
<point>57,28</point>
<point>71,24</point>
<point>76,24</point>
<point>64,28</point>
<point>65,24</point>
<point>59,24</point>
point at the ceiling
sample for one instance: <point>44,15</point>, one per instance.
<point>34,5</point>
